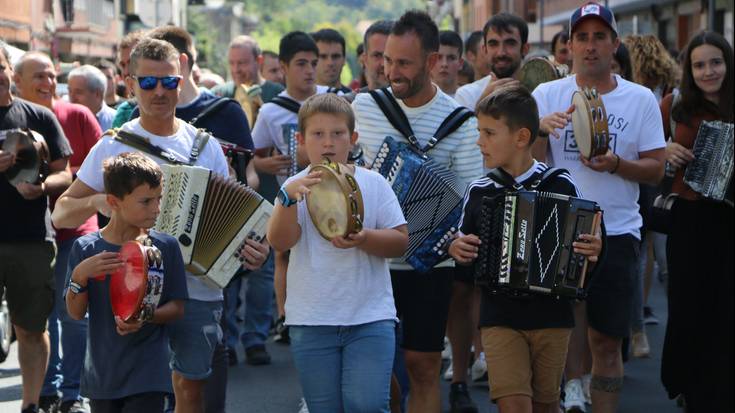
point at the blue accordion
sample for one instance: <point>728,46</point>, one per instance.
<point>429,196</point>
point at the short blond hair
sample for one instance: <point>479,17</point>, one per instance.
<point>328,103</point>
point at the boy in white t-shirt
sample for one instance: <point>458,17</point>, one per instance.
<point>339,303</point>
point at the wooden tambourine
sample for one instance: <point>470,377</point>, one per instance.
<point>31,156</point>
<point>589,122</point>
<point>135,288</point>
<point>335,203</point>
<point>537,71</point>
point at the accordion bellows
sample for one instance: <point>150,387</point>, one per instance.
<point>710,173</point>
<point>526,243</point>
<point>429,197</point>
<point>210,216</point>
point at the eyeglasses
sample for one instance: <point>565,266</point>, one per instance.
<point>150,82</point>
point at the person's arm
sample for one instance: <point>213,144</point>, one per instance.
<point>77,204</point>
<point>384,243</point>
<point>102,263</point>
<point>58,180</point>
<point>170,311</point>
<point>464,249</point>
<point>251,176</point>
<point>280,265</point>
<point>649,169</point>
<point>283,228</point>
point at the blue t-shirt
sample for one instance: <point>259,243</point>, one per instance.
<point>118,366</point>
<point>228,123</point>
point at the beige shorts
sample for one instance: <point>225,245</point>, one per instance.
<point>525,362</point>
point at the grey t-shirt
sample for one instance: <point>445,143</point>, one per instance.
<point>118,366</point>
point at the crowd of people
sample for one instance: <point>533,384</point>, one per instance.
<point>367,330</point>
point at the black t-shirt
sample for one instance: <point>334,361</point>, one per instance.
<point>521,313</point>
<point>26,220</point>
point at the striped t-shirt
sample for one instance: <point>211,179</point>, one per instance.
<point>458,151</point>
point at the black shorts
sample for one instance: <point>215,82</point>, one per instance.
<point>422,302</point>
<point>465,274</point>
<point>610,294</point>
<point>142,402</point>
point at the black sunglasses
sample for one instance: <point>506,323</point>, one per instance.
<point>150,82</point>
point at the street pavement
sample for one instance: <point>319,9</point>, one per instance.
<point>275,388</point>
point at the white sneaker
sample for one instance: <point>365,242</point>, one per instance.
<point>449,372</point>
<point>479,369</point>
<point>302,406</point>
<point>447,352</point>
<point>586,380</point>
<point>574,397</point>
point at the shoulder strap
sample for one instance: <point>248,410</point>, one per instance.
<point>672,123</point>
<point>287,103</point>
<point>211,109</point>
<point>143,144</point>
<point>393,112</point>
<point>450,124</point>
<point>505,179</point>
<point>200,141</point>
<point>546,176</point>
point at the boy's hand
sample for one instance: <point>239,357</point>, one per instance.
<point>274,165</point>
<point>102,263</point>
<point>602,163</point>
<point>557,120</point>
<point>677,155</point>
<point>298,188</point>
<point>7,160</point>
<point>351,240</point>
<point>29,191</point>
<point>124,328</point>
<point>464,249</point>
<point>590,245</point>
<point>253,253</point>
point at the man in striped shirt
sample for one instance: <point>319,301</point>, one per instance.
<point>422,300</point>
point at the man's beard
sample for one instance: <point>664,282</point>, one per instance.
<point>507,71</point>
<point>414,86</point>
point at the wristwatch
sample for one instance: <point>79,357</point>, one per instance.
<point>283,197</point>
<point>77,288</point>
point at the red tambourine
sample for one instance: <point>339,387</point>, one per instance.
<point>129,283</point>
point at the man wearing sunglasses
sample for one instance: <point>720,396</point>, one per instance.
<point>155,77</point>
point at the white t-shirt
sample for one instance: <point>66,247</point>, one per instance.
<point>469,94</point>
<point>341,287</point>
<point>211,157</point>
<point>458,151</point>
<point>635,125</point>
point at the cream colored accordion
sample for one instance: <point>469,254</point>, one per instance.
<point>210,215</point>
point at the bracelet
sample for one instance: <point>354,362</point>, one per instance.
<point>617,164</point>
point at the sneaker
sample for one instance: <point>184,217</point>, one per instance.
<point>449,372</point>
<point>649,318</point>
<point>447,352</point>
<point>460,400</point>
<point>31,408</point>
<point>302,406</point>
<point>48,404</point>
<point>586,381</point>
<point>639,342</point>
<point>231,356</point>
<point>478,371</point>
<point>73,406</point>
<point>574,397</point>
<point>257,355</point>
<point>281,332</point>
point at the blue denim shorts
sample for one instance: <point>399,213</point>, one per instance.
<point>194,337</point>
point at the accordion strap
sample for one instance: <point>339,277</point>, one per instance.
<point>287,103</point>
<point>143,144</point>
<point>507,181</point>
<point>211,109</point>
<point>397,118</point>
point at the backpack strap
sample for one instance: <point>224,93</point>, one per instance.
<point>143,144</point>
<point>211,109</point>
<point>287,103</point>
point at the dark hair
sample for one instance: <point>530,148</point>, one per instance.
<point>452,39</point>
<point>563,36</point>
<point>178,37</point>
<point>131,39</point>
<point>360,49</point>
<point>268,53</point>
<point>467,71</point>
<point>295,42</point>
<point>419,23</point>
<point>104,64</point>
<point>622,56</point>
<point>152,49</point>
<point>129,170</point>
<point>516,105</point>
<point>474,40</point>
<point>692,100</point>
<point>329,36</point>
<point>328,103</point>
<point>504,22</point>
<point>379,27</point>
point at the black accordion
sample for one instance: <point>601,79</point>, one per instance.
<point>526,244</point>
<point>710,173</point>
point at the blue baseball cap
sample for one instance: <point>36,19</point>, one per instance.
<point>590,10</point>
